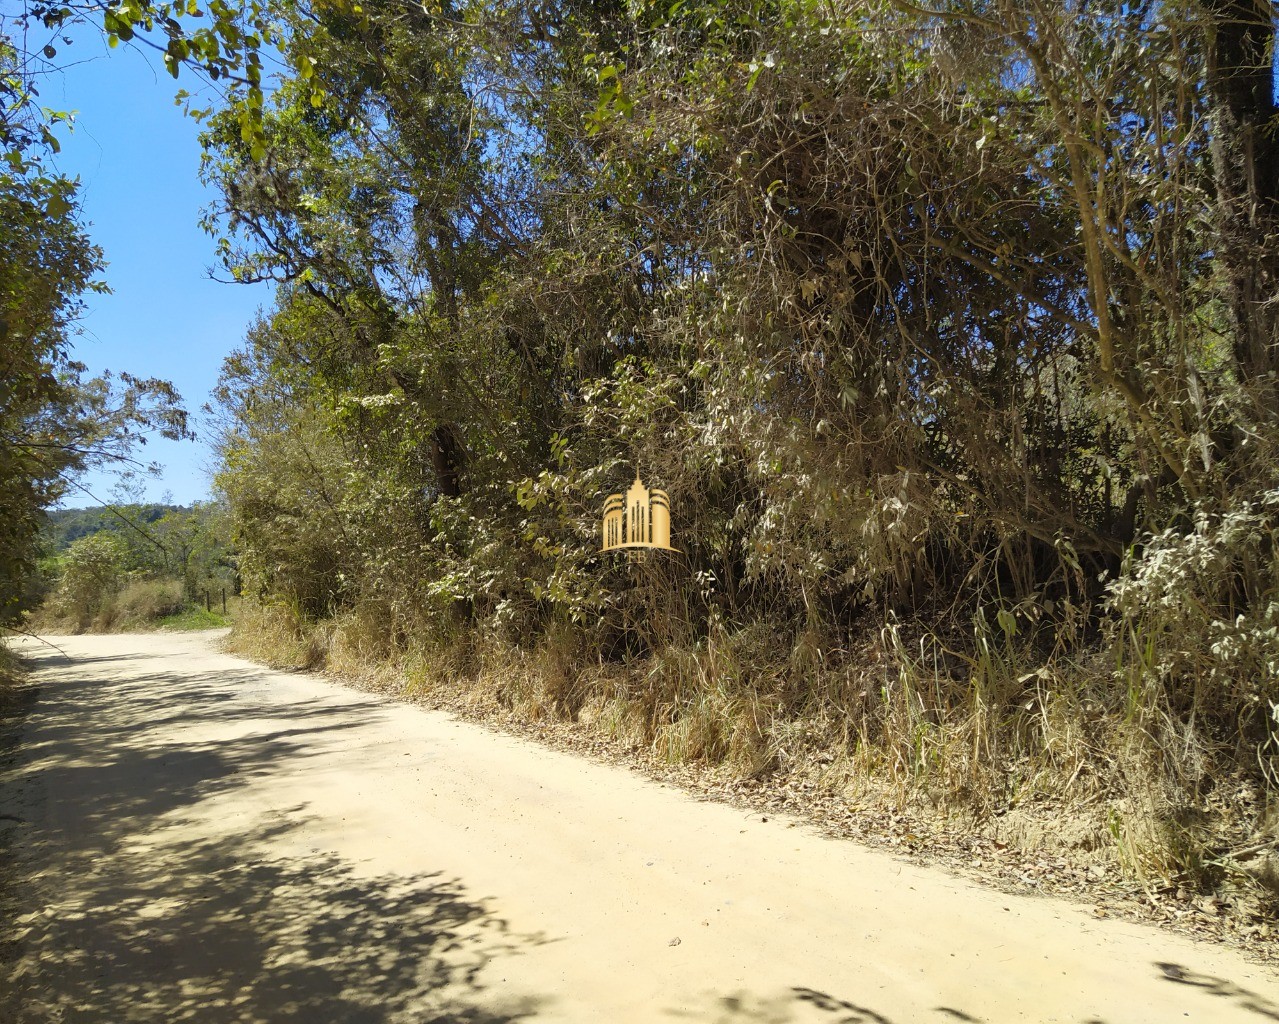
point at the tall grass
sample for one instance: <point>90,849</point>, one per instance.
<point>984,730</point>
<point>11,668</point>
<point>141,604</point>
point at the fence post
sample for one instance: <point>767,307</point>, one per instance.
<point>208,604</point>
<point>224,600</point>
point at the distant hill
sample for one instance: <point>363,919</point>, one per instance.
<point>66,525</point>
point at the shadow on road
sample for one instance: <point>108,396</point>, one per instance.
<point>1222,988</point>
<point>121,910</point>
<point>809,1006</point>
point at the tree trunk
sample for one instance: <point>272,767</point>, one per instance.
<point>1245,156</point>
<point>449,457</point>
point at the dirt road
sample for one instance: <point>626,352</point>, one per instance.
<point>192,838</point>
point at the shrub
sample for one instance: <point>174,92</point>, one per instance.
<point>91,574</point>
<point>142,603</point>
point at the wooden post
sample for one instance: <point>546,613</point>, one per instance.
<point>224,600</point>
<point>208,603</point>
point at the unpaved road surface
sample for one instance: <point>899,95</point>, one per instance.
<point>192,838</point>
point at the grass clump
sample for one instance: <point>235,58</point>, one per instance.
<point>141,604</point>
<point>12,671</point>
<point>278,635</point>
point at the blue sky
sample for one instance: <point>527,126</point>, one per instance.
<point>137,155</point>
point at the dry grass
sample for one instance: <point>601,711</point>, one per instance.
<point>12,671</point>
<point>277,635</point>
<point>139,605</point>
<point>1053,761</point>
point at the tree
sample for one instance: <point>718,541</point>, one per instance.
<point>54,422</point>
<point>93,571</point>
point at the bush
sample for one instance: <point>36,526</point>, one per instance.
<point>142,603</point>
<point>92,573</point>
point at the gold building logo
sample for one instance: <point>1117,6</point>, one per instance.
<point>640,518</point>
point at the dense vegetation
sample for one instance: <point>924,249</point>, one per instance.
<point>134,566</point>
<point>950,332</point>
